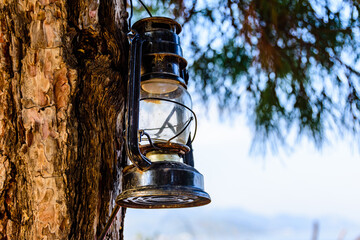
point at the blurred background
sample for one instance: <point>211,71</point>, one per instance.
<point>296,194</point>
<point>276,88</point>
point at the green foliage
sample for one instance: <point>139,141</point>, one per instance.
<point>292,63</point>
<point>211,74</point>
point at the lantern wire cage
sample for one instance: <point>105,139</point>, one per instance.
<point>186,124</point>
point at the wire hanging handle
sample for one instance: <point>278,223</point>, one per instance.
<point>147,10</point>
<point>132,12</point>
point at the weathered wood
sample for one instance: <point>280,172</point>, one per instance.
<point>63,67</point>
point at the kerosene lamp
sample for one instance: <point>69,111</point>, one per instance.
<point>160,173</point>
<point>158,122</point>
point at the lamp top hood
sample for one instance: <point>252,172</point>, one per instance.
<point>157,23</point>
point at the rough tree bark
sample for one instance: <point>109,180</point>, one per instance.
<point>63,66</point>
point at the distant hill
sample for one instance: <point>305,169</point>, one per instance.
<point>208,223</point>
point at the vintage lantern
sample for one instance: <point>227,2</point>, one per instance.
<point>161,171</point>
<point>158,122</point>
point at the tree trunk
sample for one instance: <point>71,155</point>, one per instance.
<point>63,69</point>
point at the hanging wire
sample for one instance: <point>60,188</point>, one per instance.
<point>145,8</point>
<point>132,11</point>
<point>109,222</point>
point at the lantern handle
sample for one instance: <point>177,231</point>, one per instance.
<point>133,105</point>
<point>132,11</point>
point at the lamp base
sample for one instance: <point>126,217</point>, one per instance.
<point>165,184</point>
